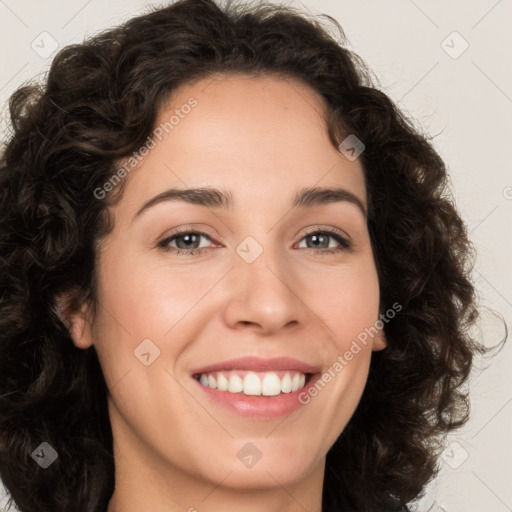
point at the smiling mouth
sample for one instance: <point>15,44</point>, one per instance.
<point>252,383</point>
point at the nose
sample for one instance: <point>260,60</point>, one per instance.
<point>262,297</point>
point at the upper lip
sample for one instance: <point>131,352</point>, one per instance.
<point>258,365</point>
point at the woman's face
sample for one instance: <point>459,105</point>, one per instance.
<point>270,297</point>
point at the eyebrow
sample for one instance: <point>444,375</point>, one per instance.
<point>214,198</point>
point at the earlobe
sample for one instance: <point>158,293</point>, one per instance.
<point>80,331</point>
<point>76,323</point>
<point>379,341</point>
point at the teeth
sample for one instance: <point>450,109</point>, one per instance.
<point>212,383</point>
<point>286,384</point>
<point>222,382</point>
<point>252,383</point>
<point>295,382</point>
<point>236,384</point>
<point>271,385</point>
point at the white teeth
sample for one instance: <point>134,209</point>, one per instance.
<point>271,385</point>
<point>286,384</point>
<point>236,384</point>
<point>212,382</point>
<point>252,383</point>
<point>222,382</point>
<point>295,382</point>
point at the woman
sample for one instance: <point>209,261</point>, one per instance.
<point>232,278</point>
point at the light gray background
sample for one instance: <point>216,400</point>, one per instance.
<point>466,102</point>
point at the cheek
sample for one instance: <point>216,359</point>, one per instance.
<point>348,302</point>
<point>350,307</point>
<point>147,298</point>
<point>142,301</point>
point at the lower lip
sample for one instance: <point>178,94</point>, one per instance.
<point>259,406</point>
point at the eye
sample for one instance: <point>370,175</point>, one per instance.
<point>186,242</point>
<point>320,239</point>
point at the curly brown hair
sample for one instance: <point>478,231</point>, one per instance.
<point>97,106</point>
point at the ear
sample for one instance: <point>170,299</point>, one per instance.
<point>379,341</point>
<point>76,321</point>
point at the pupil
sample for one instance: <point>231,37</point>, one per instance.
<point>316,237</point>
<point>187,237</point>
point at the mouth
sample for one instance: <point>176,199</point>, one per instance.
<point>255,387</point>
<point>252,383</point>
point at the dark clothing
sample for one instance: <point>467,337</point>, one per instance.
<point>345,506</point>
<point>342,508</point>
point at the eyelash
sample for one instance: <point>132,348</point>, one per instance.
<point>344,243</point>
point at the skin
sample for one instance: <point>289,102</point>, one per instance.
<point>263,139</point>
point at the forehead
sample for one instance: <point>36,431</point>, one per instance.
<point>264,136</point>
